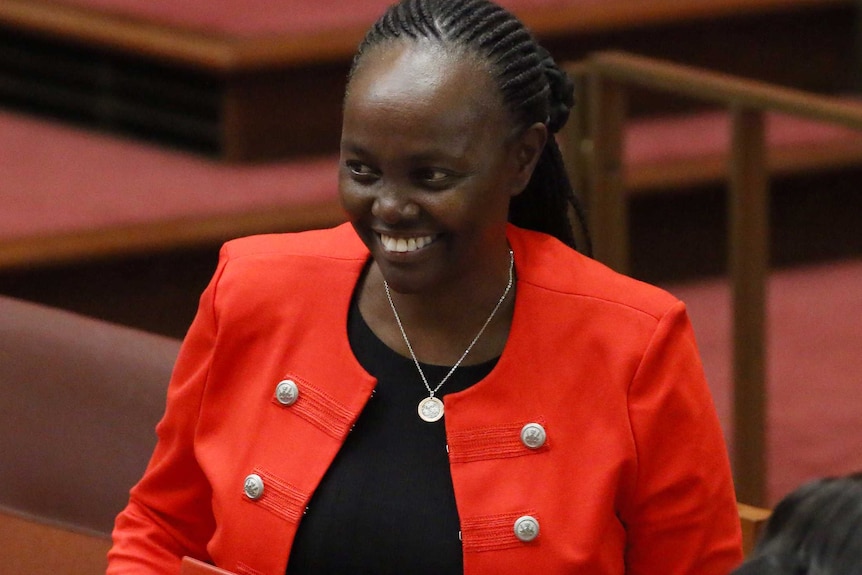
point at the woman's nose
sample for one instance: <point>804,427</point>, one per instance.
<point>393,206</point>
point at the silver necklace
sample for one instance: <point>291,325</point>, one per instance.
<point>431,408</point>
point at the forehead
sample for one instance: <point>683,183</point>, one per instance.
<point>423,79</point>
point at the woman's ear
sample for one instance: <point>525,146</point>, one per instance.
<point>526,151</point>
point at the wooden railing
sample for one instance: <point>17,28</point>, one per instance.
<point>752,521</point>
<point>594,144</point>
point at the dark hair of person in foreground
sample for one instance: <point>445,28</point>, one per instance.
<point>815,530</point>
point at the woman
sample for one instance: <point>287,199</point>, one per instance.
<point>433,389</point>
<point>817,529</point>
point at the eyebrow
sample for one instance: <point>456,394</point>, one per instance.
<point>353,147</point>
<point>419,158</point>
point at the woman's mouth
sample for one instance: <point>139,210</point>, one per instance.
<point>404,245</point>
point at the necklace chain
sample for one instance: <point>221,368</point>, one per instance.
<point>431,392</point>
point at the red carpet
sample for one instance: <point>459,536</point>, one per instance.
<point>46,168</point>
<point>814,367</point>
<point>654,140</point>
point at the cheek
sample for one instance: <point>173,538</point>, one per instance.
<point>354,199</point>
<point>464,209</point>
<point>492,196</point>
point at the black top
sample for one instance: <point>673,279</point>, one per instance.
<point>387,505</point>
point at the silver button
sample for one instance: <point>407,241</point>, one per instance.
<point>287,392</point>
<point>526,528</point>
<point>533,435</point>
<point>253,487</point>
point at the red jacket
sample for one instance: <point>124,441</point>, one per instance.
<point>633,477</point>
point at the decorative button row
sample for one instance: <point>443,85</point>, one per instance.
<point>533,436</point>
<point>526,528</point>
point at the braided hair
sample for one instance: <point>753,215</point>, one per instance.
<point>533,88</point>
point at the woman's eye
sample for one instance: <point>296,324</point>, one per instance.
<point>433,176</point>
<point>360,170</point>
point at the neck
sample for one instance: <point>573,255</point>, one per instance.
<point>441,325</point>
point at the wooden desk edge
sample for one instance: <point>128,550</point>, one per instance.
<point>225,53</point>
<point>87,245</point>
<point>37,545</point>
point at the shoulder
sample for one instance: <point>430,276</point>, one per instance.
<point>339,243</point>
<point>268,266</point>
<point>273,280</point>
<point>549,266</point>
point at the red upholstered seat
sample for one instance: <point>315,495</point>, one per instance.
<point>81,398</point>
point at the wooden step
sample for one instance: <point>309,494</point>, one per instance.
<point>70,194</point>
<point>243,81</point>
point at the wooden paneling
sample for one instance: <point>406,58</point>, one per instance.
<point>32,547</point>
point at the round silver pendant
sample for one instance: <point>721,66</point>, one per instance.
<point>430,409</point>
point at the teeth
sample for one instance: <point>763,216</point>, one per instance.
<point>402,245</point>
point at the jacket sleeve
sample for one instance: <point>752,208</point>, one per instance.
<point>169,513</point>
<point>682,517</point>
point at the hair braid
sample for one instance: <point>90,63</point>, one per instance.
<point>532,86</point>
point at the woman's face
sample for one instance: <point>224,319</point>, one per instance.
<point>428,165</point>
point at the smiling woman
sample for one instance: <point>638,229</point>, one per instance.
<point>444,385</point>
<point>430,163</point>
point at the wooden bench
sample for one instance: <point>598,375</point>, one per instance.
<point>244,81</point>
